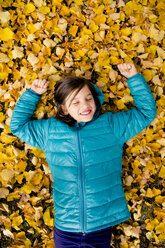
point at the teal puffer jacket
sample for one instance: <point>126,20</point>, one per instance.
<point>86,160</point>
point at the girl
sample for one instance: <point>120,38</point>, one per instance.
<point>84,151</point>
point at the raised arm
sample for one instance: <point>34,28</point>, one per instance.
<point>32,132</point>
<point>126,124</point>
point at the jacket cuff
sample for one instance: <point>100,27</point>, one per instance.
<point>32,91</point>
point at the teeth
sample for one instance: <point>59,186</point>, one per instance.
<point>84,113</point>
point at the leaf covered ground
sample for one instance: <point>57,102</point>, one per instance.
<point>50,39</point>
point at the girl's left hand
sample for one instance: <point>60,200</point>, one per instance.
<point>127,69</point>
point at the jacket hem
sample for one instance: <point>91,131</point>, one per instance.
<point>93,229</point>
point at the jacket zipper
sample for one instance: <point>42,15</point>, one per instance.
<point>81,183</point>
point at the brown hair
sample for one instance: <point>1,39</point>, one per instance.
<point>64,87</point>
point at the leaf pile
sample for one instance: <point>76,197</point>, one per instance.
<point>50,39</point>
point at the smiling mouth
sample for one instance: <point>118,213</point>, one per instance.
<point>86,113</point>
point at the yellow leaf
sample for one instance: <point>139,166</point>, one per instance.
<point>128,180</point>
<point>36,178</point>
<point>6,174</point>
<point>2,117</point>
<point>56,2</point>
<point>4,58</point>
<point>79,2</point>
<point>148,204</point>
<point>99,19</point>
<point>6,34</point>
<point>114,60</point>
<point>6,154</point>
<point>149,193</point>
<point>113,75</point>
<point>99,36</point>
<point>151,224</point>
<point>47,219</point>
<point>36,48</point>
<point>132,8</point>
<point>81,53</point>
<point>106,97</point>
<point>126,31</point>
<point>159,199</point>
<point>73,30</point>
<point>113,88</point>
<point>38,3</point>
<point>161,237</point>
<point>160,228</point>
<point>65,11</point>
<point>153,18</point>
<point>161,52</point>
<point>57,30</point>
<point>120,104</point>
<point>16,222</point>
<point>29,8</point>
<point>136,162</point>
<point>13,196</point>
<point>17,52</point>
<point>156,34</point>
<point>32,29</point>
<point>50,244</point>
<point>150,167</point>
<point>132,231</point>
<point>4,17</point>
<point>123,54</point>
<point>4,192</point>
<point>19,178</point>
<point>23,41</point>
<point>49,43</point>
<point>115,16</point>
<point>138,37</point>
<point>161,141</point>
<point>159,213</point>
<point>156,191</point>
<point>136,149</point>
<point>28,188</point>
<point>103,59</point>
<point>152,49</point>
<point>93,27</point>
<point>162,172</point>
<point>60,52</point>
<point>44,10</point>
<point>147,74</point>
<point>34,200</point>
<point>20,237</point>
<point>5,138</point>
<point>32,59</point>
<point>154,146</point>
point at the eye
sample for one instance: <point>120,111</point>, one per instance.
<point>75,103</point>
<point>89,99</point>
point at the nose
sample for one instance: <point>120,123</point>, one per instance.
<point>85,104</point>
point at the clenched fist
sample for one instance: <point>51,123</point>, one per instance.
<point>40,86</point>
<point>127,69</point>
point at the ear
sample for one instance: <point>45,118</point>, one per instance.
<point>64,109</point>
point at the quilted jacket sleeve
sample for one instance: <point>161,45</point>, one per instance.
<point>30,131</point>
<point>126,124</point>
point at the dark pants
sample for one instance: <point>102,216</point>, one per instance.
<point>97,239</point>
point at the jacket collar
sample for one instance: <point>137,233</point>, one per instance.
<point>100,96</point>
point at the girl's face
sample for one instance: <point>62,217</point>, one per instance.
<point>81,107</point>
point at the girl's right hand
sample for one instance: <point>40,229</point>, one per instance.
<point>40,86</point>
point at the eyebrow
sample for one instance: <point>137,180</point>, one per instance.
<point>74,98</point>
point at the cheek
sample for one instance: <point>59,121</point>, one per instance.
<point>94,104</point>
<point>73,110</point>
